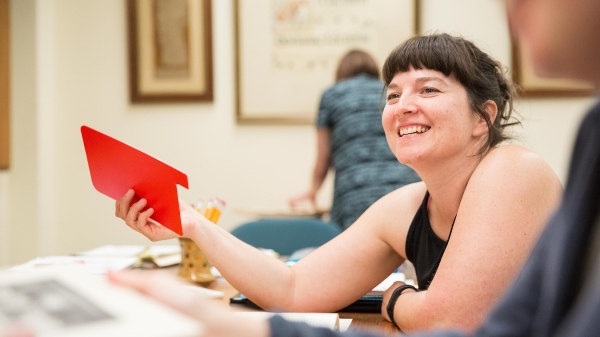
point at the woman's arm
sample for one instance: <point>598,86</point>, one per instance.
<point>323,158</point>
<point>330,278</point>
<point>320,170</point>
<point>505,205</point>
<point>216,321</point>
<point>333,276</point>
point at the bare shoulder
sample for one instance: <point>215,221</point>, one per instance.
<point>392,215</point>
<point>514,155</point>
<point>397,205</point>
<point>405,199</point>
<point>515,163</point>
<point>407,195</point>
<point>503,209</point>
<point>512,179</point>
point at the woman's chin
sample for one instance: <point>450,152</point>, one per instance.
<point>409,159</point>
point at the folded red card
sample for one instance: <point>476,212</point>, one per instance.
<point>116,167</point>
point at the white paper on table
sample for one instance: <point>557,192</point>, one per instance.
<point>161,255</point>
<point>69,302</point>
<point>132,250</point>
<point>345,324</point>
<point>320,320</point>
<point>167,260</point>
<point>215,272</point>
<point>385,284</point>
<point>206,292</point>
<point>92,264</point>
<point>112,250</point>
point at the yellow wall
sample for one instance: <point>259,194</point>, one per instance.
<point>70,68</point>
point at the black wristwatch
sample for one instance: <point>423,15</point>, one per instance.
<point>397,292</point>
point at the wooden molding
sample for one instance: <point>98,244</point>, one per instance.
<point>4,86</point>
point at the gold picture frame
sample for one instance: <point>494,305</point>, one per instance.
<point>170,50</point>
<point>531,85</point>
<point>300,43</point>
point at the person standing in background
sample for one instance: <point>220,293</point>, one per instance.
<point>350,138</point>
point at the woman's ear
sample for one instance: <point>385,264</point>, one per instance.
<point>491,109</point>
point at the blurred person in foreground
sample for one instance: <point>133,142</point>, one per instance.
<point>558,291</point>
<point>351,140</point>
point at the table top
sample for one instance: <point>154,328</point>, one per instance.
<point>372,322</point>
<point>284,213</point>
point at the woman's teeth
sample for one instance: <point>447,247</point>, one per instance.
<point>413,129</point>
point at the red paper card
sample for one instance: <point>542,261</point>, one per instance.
<point>116,167</point>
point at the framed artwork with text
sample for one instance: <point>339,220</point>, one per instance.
<point>287,50</point>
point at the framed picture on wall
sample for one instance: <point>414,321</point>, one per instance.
<point>287,50</point>
<point>170,50</point>
<point>531,85</point>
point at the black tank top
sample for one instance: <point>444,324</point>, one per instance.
<point>424,249</point>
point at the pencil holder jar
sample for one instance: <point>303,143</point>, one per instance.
<point>194,265</point>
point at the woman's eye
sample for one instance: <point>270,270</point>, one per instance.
<point>392,97</point>
<point>430,90</point>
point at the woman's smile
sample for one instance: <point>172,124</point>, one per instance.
<point>412,130</point>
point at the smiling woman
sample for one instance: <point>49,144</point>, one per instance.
<point>479,76</point>
<point>467,227</point>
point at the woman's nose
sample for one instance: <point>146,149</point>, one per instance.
<point>405,105</point>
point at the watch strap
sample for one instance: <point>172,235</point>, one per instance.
<point>392,302</point>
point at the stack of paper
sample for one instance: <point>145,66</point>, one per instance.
<point>208,293</point>
<point>155,255</point>
<point>385,284</point>
<point>110,257</point>
<point>92,264</point>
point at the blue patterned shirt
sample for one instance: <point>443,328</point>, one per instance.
<point>365,167</point>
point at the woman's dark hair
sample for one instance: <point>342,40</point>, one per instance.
<point>481,76</point>
<point>356,62</point>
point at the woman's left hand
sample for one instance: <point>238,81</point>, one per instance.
<point>386,298</point>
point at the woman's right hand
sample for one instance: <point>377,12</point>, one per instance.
<point>140,221</point>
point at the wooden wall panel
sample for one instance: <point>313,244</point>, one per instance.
<point>4,86</point>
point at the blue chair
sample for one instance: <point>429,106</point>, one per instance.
<point>286,235</point>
